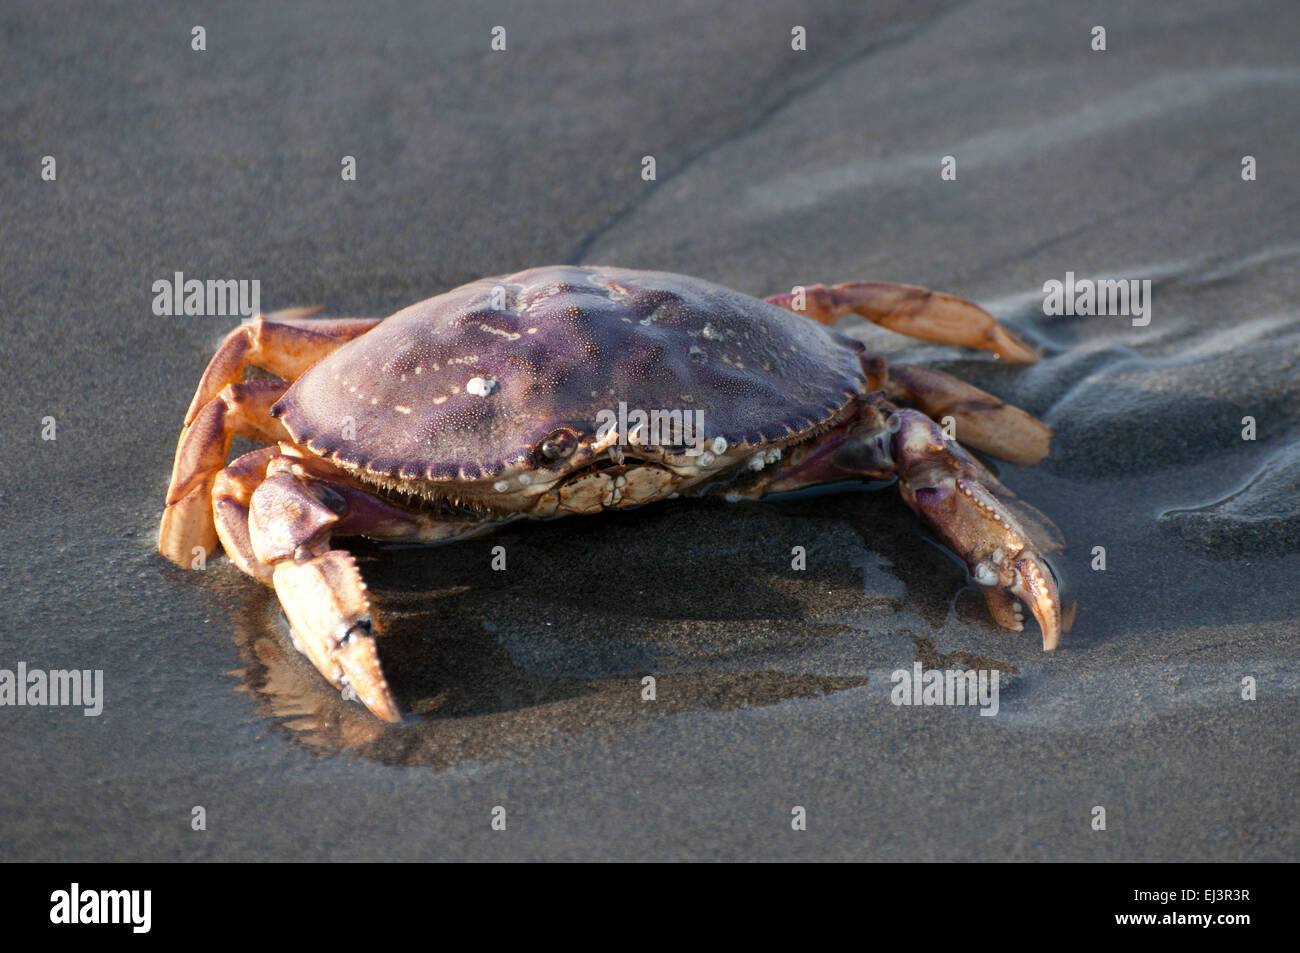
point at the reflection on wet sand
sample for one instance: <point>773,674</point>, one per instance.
<point>485,670</point>
<point>471,702</point>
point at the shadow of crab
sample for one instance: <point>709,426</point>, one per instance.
<point>701,595</point>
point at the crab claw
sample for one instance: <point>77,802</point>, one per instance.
<point>950,490</point>
<point>1023,579</point>
<point>326,604</point>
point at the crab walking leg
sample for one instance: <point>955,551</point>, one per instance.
<point>956,497</point>
<point>241,408</point>
<point>916,312</point>
<point>320,588</point>
<point>224,404</point>
<point>286,349</point>
<point>983,421</point>
<point>232,492</point>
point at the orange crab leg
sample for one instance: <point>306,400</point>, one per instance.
<point>285,348</point>
<point>983,421</point>
<point>225,405</point>
<point>240,408</point>
<point>232,492</point>
<point>907,309</point>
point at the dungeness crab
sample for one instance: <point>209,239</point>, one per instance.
<point>496,401</point>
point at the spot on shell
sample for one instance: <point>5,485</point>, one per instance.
<point>501,486</point>
<point>480,386</point>
<point>508,335</point>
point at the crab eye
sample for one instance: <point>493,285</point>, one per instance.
<point>557,446</point>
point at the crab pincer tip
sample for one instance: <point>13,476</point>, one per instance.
<point>359,660</point>
<point>1036,585</point>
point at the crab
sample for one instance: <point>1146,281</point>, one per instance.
<point>558,391</point>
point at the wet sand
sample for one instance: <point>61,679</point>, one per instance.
<point>774,168</point>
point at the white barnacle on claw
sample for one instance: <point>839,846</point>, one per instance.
<point>986,575</point>
<point>501,486</point>
<point>719,445</point>
<point>480,386</point>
